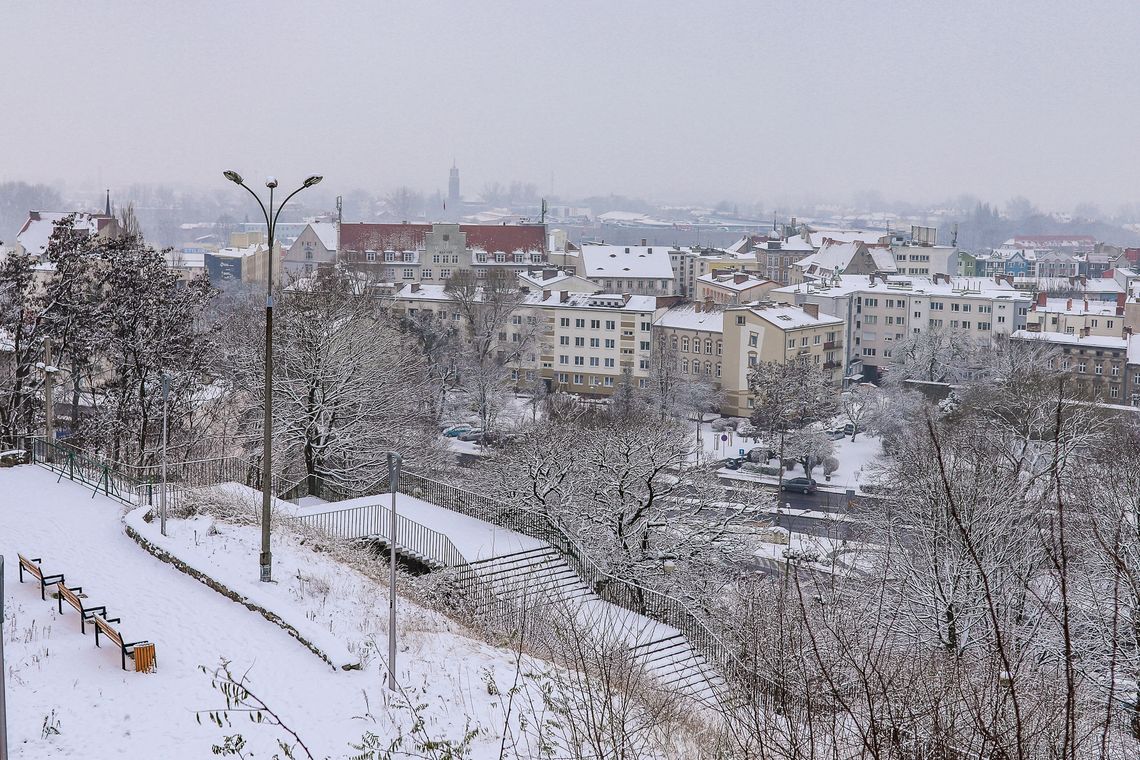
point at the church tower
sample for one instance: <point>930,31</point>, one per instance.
<point>453,193</point>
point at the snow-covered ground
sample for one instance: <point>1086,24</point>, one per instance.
<point>856,458</point>
<point>67,698</point>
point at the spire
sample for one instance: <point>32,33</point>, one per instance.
<point>108,211</point>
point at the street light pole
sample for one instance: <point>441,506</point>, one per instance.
<point>270,215</point>
<point>394,461</point>
<point>165,397</point>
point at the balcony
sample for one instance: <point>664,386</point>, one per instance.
<point>832,344</point>
<point>831,365</point>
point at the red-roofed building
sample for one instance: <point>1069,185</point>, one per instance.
<point>433,252</point>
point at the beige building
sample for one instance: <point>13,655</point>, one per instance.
<point>691,336</point>
<point>775,333</point>
<point>314,247</point>
<point>1098,364</point>
<point>728,286</point>
<point>690,264</point>
<point>1077,316</point>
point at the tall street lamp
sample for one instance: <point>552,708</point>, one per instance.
<point>267,455</point>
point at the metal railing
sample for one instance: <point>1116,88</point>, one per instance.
<point>101,475</point>
<point>619,591</point>
<point>375,520</point>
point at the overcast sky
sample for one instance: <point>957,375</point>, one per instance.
<point>753,101</point>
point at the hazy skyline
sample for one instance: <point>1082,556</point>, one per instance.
<point>745,100</point>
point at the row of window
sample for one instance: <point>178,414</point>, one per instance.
<point>696,345</point>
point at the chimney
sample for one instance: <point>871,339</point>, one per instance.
<point>415,287</point>
<point>563,296</point>
<point>1085,332</point>
<point>545,294</point>
<point>1127,332</point>
<point>643,242</point>
<point>1120,300</point>
<point>739,277</point>
<point>697,307</point>
<point>625,297</point>
<point>1086,304</point>
<point>1069,305</point>
<point>1042,298</point>
<point>1084,279</point>
<point>708,303</point>
<point>811,309</point>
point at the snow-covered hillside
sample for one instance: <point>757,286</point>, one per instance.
<point>67,698</point>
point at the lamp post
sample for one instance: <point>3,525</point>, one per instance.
<point>267,455</point>
<point>394,461</point>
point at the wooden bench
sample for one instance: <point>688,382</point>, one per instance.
<point>71,596</point>
<point>32,567</point>
<point>141,652</point>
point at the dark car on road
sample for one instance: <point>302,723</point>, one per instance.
<point>800,485</point>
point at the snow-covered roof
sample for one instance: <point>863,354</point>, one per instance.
<point>730,281</point>
<point>789,317</point>
<point>240,253</point>
<point>432,292</point>
<point>1075,339</point>
<point>686,317</point>
<point>1134,349</point>
<point>818,237</point>
<point>955,287</point>
<point>1093,285</point>
<point>537,279</point>
<point>835,255</point>
<point>1076,306</point>
<point>36,232</point>
<point>326,232</point>
<point>626,261</point>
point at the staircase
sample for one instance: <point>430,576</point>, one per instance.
<point>543,576</point>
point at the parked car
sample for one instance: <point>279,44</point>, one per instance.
<point>471,436</point>
<point>731,464</point>
<point>800,485</point>
<point>456,430</point>
<point>836,435</point>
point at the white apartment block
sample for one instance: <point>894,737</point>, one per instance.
<point>578,342</point>
<point>880,311</point>
<point>646,270</point>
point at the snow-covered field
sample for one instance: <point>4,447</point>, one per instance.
<point>66,698</point>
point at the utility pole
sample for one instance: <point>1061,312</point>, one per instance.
<point>165,397</point>
<point>394,460</point>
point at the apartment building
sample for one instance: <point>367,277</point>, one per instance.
<point>691,336</point>
<point>731,286</point>
<point>431,253</point>
<point>592,338</point>
<point>576,342</point>
<point>637,269</point>
<point>779,333</point>
<point>836,257</point>
<point>881,311</point>
<point>695,262</point>
<point>314,247</point>
<point>1099,365</point>
<point>1077,316</point>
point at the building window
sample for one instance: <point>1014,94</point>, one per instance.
<point>594,361</point>
<point>577,379</point>
<point>740,320</point>
<point>409,274</point>
<point>564,322</point>
<point>370,256</point>
<point>685,344</point>
<point>579,323</point>
<point>595,324</point>
<point>580,342</point>
<point>610,343</point>
<point>644,345</point>
<point>579,361</point>
<point>609,362</point>
<point>426,274</point>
